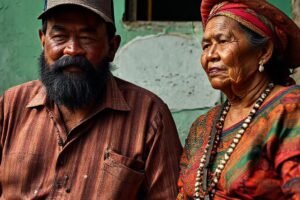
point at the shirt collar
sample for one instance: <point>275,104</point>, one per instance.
<point>39,99</point>
<point>113,98</point>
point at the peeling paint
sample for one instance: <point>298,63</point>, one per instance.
<point>168,65</point>
<point>163,27</point>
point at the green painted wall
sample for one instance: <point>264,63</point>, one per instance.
<point>19,44</point>
<point>284,5</point>
<point>20,47</point>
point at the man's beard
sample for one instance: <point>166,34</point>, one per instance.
<point>73,90</point>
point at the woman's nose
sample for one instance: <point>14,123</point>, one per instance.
<point>212,53</point>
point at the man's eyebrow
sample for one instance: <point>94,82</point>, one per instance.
<point>57,28</point>
<point>60,28</point>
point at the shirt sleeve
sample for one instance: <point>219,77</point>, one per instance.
<point>162,163</point>
<point>290,171</point>
<point>288,155</point>
<point>287,130</point>
<point>185,159</point>
<point>183,162</point>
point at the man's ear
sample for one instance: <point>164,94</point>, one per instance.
<point>114,44</point>
<point>42,38</point>
<point>267,51</point>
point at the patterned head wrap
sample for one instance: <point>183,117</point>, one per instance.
<point>262,18</point>
<point>244,15</point>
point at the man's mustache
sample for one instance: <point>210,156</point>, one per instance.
<point>79,61</point>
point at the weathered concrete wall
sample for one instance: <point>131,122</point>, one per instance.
<point>171,69</point>
<point>168,64</point>
<point>296,11</point>
<point>161,56</point>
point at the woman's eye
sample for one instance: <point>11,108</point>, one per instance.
<point>205,46</point>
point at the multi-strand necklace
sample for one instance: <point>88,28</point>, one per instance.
<point>202,191</point>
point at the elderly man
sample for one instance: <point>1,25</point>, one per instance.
<point>80,132</point>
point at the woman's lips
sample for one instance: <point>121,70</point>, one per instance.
<point>215,71</point>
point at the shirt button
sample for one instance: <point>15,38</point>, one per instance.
<point>61,163</point>
<point>66,177</point>
<point>68,190</point>
<point>58,185</point>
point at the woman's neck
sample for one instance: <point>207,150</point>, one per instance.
<point>245,95</point>
<point>242,100</point>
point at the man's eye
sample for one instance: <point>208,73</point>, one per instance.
<point>59,37</point>
<point>87,38</point>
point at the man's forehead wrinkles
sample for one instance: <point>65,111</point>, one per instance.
<point>57,27</point>
<point>80,28</point>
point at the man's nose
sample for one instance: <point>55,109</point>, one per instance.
<point>73,48</point>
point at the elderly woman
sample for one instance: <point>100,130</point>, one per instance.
<point>249,147</point>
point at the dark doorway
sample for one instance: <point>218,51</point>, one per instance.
<point>162,10</point>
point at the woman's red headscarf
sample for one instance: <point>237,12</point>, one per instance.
<point>262,18</point>
<point>244,15</point>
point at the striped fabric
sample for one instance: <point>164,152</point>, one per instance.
<point>244,15</point>
<point>127,149</point>
<point>266,162</point>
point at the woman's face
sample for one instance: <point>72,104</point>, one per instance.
<point>228,57</point>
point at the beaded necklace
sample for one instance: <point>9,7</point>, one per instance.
<point>210,150</point>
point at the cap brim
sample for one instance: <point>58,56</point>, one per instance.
<point>101,14</point>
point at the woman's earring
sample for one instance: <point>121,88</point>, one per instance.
<point>261,67</point>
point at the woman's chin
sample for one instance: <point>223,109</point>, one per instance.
<point>219,85</point>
